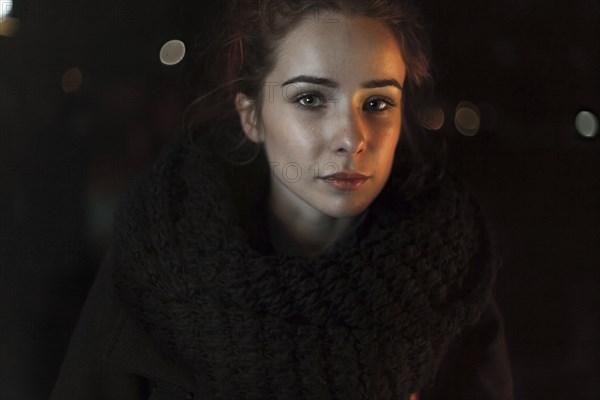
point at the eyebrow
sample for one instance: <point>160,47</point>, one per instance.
<point>375,83</point>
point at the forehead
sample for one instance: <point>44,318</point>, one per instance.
<point>349,50</point>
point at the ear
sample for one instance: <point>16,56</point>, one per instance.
<point>246,108</point>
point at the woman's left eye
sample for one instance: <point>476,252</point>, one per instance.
<point>378,105</point>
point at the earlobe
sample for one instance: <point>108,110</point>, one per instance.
<point>246,109</point>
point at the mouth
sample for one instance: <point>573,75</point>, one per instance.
<point>345,181</point>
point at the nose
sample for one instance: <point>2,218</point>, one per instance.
<point>350,136</point>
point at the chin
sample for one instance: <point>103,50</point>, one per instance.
<point>345,210</point>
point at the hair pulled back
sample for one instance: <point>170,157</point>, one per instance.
<point>245,49</point>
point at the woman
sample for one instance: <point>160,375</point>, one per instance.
<point>337,262</point>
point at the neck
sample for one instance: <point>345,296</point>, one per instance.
<point>310,229</point>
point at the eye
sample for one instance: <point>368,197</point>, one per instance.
<point>310,101</point>
<point>378,105</point>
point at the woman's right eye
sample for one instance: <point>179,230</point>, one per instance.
<point>310,101</point>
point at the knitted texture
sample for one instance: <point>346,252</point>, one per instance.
<point>369,321</point>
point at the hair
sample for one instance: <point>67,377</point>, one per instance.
<point>245,51</point>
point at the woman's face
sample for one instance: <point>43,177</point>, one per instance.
<point>332,104</point>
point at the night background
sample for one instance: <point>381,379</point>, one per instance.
<point>86,104</point>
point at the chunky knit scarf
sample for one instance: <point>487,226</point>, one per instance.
<point>366,321</point>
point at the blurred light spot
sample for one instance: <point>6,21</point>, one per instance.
<point>586,124</point>
<point>433,118</point>
<point>8,26</point>
<point>172,52</point>
<point>71,80</point>
<point>467,118</point>
<point>488,116</point>
<point>5,8</point>
<point>505,53</point>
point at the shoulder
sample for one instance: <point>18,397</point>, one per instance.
<point>476,365</point>
<point>109,356</point>
<point>85,372</point>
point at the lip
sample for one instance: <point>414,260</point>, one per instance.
<point>346,181</point>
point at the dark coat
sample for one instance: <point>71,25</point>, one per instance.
<point>111,358</point>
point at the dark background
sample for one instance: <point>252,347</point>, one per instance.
<point>530,65</point>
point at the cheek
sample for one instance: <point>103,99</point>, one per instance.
<point>386,145</point>
<point>387,136</point>
<point>386,160</point>
<point>288,137</point>
<point>275,129</point>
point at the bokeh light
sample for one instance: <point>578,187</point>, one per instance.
<point>433,118</point>
<point>8,25</point>
<point>5,8</point>
<point>172,52</point>
<point>586,124</point>
<point>71,80</point>
<point>467,118</point>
